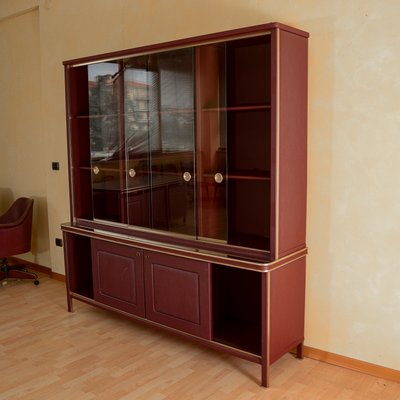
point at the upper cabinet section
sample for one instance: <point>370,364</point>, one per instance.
<point>181,142</point>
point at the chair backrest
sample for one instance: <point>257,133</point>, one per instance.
<point>16,228</point>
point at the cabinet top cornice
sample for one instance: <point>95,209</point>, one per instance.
<point>191,41</point>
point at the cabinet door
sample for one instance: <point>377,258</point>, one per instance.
<point>159,128</point>
<point>233,95</point>
<point>211,141</point>
<point>178,293</point>
<point>118,276</point>
<point>171,133</point>
<point>106,137</point>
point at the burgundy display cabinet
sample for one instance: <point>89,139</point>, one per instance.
<point>187,171</point>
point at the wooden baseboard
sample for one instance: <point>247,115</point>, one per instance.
<point>38,268</point>
<point>353,364</point>
<point>58,277</point>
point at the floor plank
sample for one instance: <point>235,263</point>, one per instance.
<point>48,353</point>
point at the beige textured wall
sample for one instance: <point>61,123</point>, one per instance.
<point>353,291</point>
<point>22,161</point>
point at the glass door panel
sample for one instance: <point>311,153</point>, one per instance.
<point>171,133</point>
<point>106,138</point>
<point>211,142</point>
<point>137,93</point>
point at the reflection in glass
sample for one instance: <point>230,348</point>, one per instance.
<point>212,154</point>
<point>142,120</point>
<point>136,144</point>
<point>159,140</point>
<point>105,137</point>
<point>103,104</point>
<point>171,127</point>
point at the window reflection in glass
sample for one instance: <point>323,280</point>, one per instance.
<point>142,140</point>
<point>103,108</point>
<point>174,82</point>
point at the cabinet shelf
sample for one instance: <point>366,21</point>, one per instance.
<point>94,116</point>
<point>249,240</point>
<point>239,334</point>
<point>241,176</point>
<point>237,108</point>
<point>176,111</point>
<point>250,175</point>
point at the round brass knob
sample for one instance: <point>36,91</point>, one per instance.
<point>132,173</point>
<point>187,176</point>
<point>218,177</point>
<point>96,170</point>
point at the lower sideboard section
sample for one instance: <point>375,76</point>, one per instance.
<point>256,315</point>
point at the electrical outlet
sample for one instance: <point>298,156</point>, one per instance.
<point>59,242</point>
<point>55,166</point>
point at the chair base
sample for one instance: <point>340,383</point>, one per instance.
<point>18,271</point>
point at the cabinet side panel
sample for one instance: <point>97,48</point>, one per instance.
<point>292,142</point>
<point>287,298</point>
<point>274,123</point>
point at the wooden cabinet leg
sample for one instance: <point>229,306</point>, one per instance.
<point>264,373</point>
<point>299,351</point>
<point>265,329</point>
<point>69,303</point>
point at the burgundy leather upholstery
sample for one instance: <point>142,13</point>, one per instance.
<point>15,228</point>
<point>15,238</point>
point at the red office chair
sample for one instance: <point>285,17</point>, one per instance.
<point>15,238</point>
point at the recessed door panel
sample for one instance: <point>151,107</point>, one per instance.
<point>118,276</point>
<point>178,293</point>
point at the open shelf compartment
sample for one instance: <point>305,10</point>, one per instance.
<point>236,297</point>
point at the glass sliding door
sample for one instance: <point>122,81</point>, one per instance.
<point>211,142</point>
<point>171,134</point>
<point>233,103</point>
<point>106,139</point>
<point>159,129</point>
<point>136,108</point>
<point>172,138</point>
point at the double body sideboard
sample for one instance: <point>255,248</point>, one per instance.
<point>187,173</point>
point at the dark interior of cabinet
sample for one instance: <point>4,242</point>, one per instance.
<point>108,203</point>
<point>77,83</point>
<point>248,71</point>
<point>249,141</point>
<point>104,89</point>
<point>80,265</point>
<point>81,169</point>
<point>236,296</point>
<point>249,218</point>
<point>78,104</point>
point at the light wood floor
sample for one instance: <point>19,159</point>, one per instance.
<point>47,353</point>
